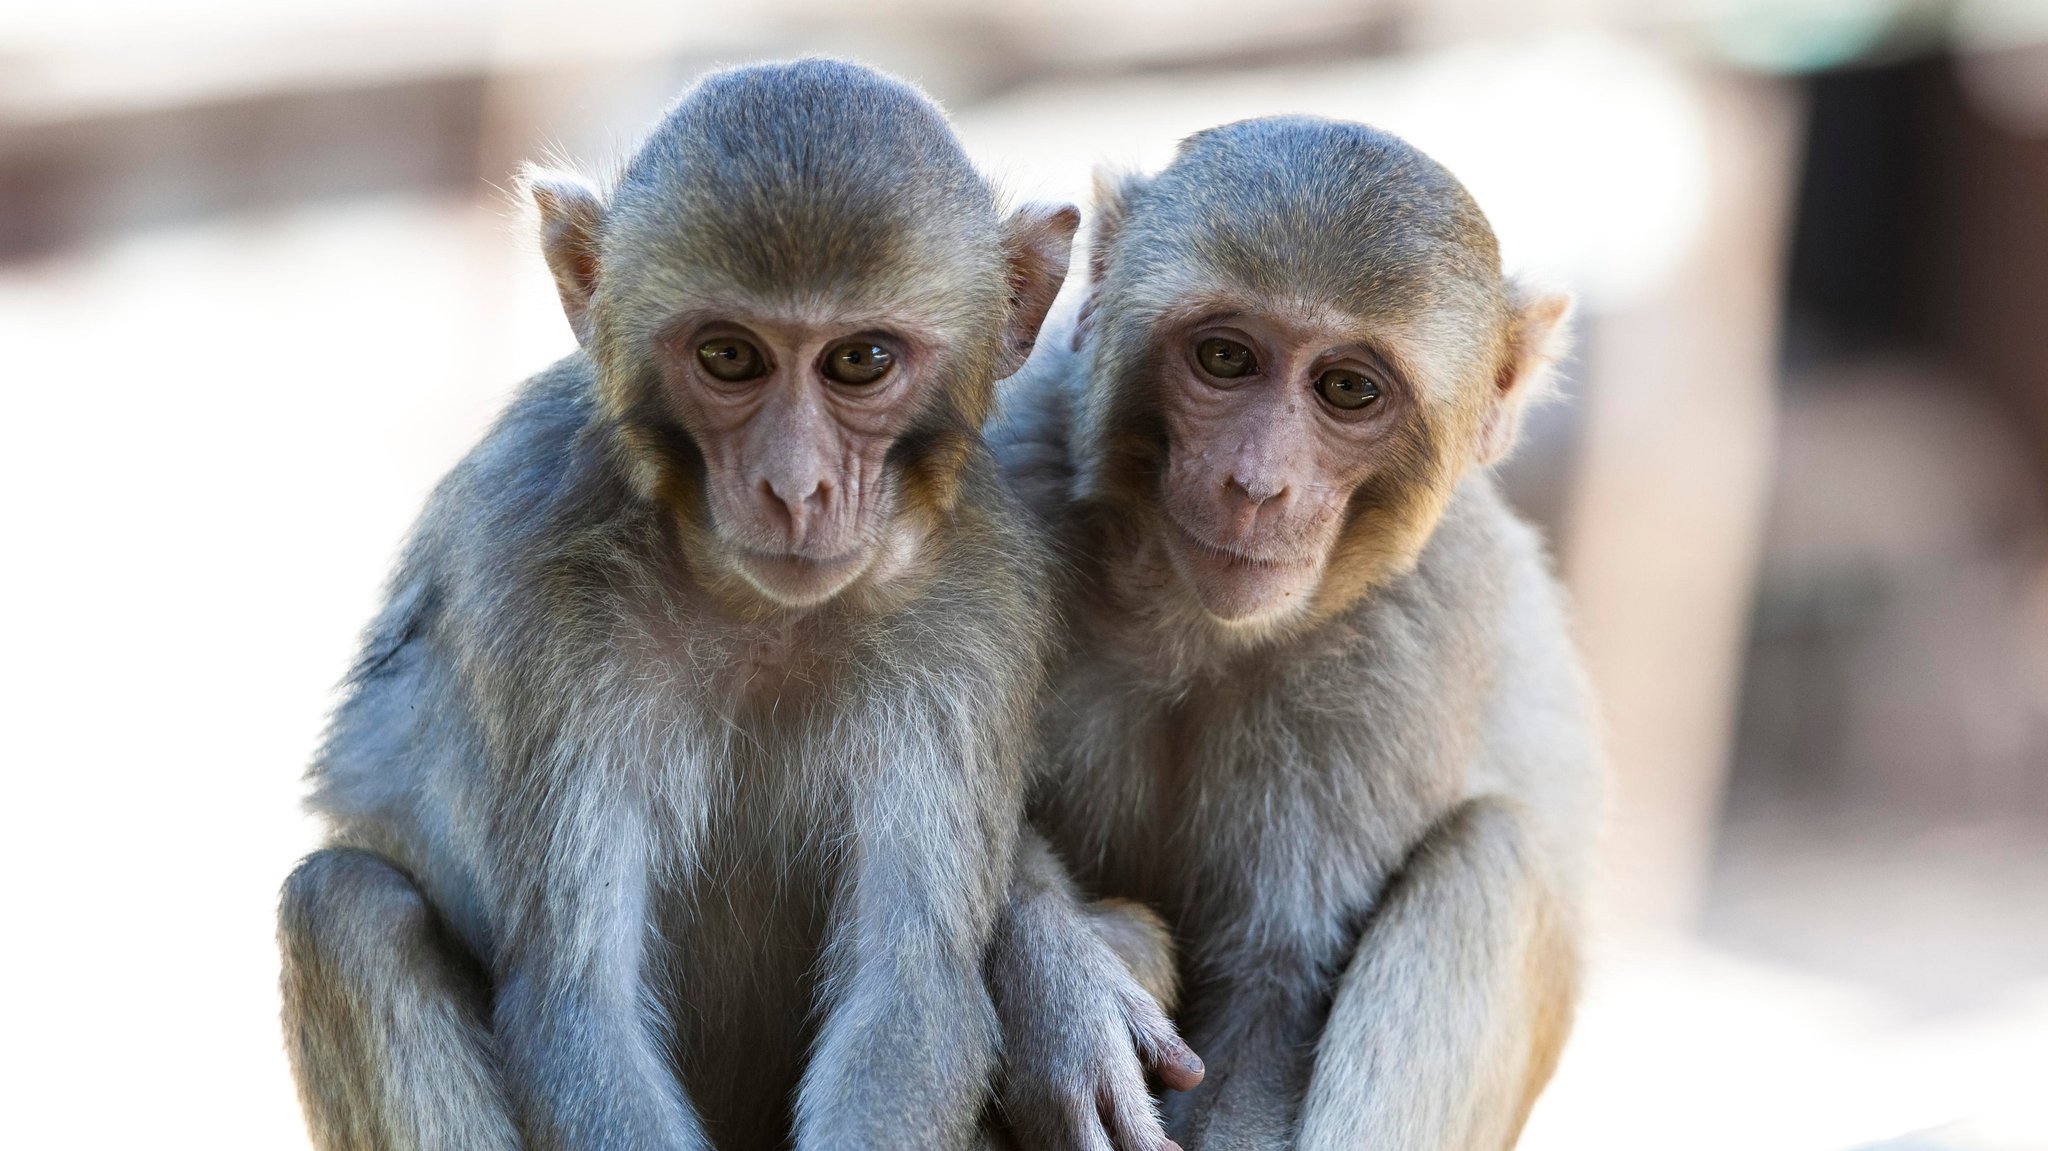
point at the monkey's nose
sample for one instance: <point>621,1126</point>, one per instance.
<point>798,514</point>
<point>1256,490</point>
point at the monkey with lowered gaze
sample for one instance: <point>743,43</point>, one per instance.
<point>1322,710</point>
<point>675,794</point>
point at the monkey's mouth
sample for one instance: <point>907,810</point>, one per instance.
<point>800,560</point>
<point>1228,557</point>
<point>1237,588</point>
<point>800,580</point>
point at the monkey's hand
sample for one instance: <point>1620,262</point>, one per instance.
<point>1079,992</point>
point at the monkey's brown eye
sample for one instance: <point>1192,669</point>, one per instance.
<point>731,359</point>
<point>1346,389</point>
<point>858,362</point>
<point>1224,359</point>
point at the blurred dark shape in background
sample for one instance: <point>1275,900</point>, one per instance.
<point>1889,787</point>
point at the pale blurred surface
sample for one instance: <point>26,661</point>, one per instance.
<point>259,289</point>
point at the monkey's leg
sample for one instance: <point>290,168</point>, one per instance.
<point>1450,1017</point>
<point>1082,990</point>
<point>386,1020</point>
<point>1256,1033</point>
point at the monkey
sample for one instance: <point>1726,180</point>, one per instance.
<point>1321,708</point>
<point>677,789</point>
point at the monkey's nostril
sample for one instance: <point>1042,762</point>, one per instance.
<point>796,513</point>
<point>789,511</point>
<point>1255,491</point>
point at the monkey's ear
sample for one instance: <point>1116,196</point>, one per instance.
<point>571,212</point>
<point>1038,241</point>
<point>1114,188</point>
<point>1537,338</point>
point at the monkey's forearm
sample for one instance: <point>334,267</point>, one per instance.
<point>1451,1015</point>
<point>1045,918</point>
<point>582,1072</point>
<point>905,1056</point>
<point>583,1069</point>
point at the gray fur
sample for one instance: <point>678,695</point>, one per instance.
<point>1369,832</point>
<point>586,883</point>
<point>1081,989</point>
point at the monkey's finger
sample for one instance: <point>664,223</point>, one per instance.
<point>1176,1065</point>
<point>1085,1125</point>
<point>1165,1055</point>
<point>1128,1114</point>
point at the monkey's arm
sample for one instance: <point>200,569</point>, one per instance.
<point>1456,1002</point>
<point>582,1067</point>
<point>907,1047</point>
<point>1081,991</point>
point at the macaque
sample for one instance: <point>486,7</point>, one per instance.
<point>677,790</point>
<point>1322,711</point>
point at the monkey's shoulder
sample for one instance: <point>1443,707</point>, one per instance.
<point>534,499</point>
<point>537,489</point>
<point>1032,433</point>
<point>1503,629</point>
<point>1476,618</point>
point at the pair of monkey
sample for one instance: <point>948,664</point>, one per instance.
<point>679,793</point>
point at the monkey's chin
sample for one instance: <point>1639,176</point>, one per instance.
<point>1240,592</point>
<point>793,581</point>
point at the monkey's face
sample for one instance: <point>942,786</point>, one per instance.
<point>795,416</point>
<point>797,302</point>
<point>1273,421</point>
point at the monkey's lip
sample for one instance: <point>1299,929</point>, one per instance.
<point>1231,557</point>
<point>797,580</point>
<point>799,562</point>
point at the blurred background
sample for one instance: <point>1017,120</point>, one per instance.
<point>261,283</point>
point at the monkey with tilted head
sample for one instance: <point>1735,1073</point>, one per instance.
<point>675,795</point>
<point>1322,710</point>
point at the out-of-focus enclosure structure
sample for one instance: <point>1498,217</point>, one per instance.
<point>261,283</point>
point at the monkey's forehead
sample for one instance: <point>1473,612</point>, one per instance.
<point>816,178</point>
<point>797,245</point>
<point>1362,285</point>
<point>1361,253</point>
<point>932,308</point>
<point>1308,201</point>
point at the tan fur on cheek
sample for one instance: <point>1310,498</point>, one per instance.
<point>1391,518</point>
<point>931,483</point>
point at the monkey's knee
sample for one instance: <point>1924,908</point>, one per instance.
<point>342,899</point>
<point>1487,842</point>
<point>352,916</point>
<point>1139,938</point>
<point>385,1016</point>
